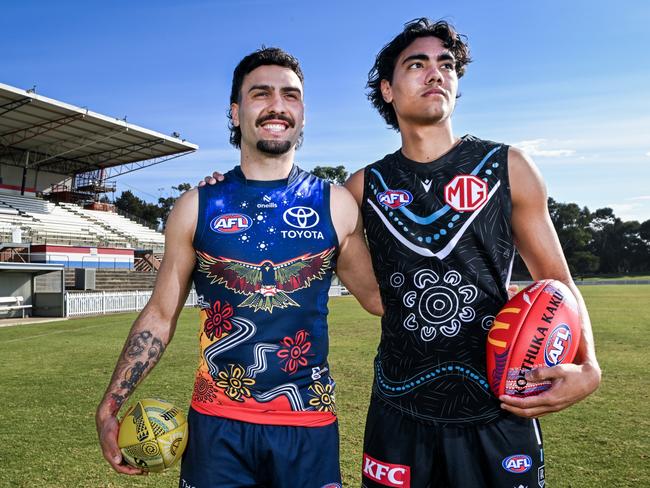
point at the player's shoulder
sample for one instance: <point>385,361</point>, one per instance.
<point>388,160</point>
<point>483,145</point>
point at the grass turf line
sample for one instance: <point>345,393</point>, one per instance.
<point>54,374</point>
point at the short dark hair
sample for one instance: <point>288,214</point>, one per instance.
<point>262,57</point>
<point>385,62</point>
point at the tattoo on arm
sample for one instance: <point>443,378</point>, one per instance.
<point>141,352</point>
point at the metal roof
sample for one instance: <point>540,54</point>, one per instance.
<point>61,138</point>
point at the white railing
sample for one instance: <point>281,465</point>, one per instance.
<point>98,303</point>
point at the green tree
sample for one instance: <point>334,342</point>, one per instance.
<point>166,204</point>
<point>336,175</point>
<point>572,225</point>
<point>148,212</point>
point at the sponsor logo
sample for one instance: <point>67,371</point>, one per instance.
<point>558,345</point>
<point>394,475</point>
<point>302,234</point>
<point>517,463</point>
<point>301,217</point>
<point>466,193</point>
<point>268,203</point>
<point>231,223</point>
<point>395,198</point>
<point>541,478</point>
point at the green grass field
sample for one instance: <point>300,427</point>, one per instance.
<point>54,374</point>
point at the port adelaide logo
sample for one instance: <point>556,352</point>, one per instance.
<point>232,223</point>
<point>302,220</point>
<point>395,198</point>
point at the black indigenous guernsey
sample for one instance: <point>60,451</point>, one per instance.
<point>265,254</point>
<point>441,243</point>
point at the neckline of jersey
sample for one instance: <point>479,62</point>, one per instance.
<point>427,167</point>
<point>238,174</point>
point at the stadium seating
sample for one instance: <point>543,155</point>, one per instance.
<point>43,222</point>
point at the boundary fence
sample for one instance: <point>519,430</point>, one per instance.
<point>103,302</point>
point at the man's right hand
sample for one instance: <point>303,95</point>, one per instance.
<point>211,180</point>
<point>107,429</point>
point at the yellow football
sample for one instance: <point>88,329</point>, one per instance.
<point>153,435</point>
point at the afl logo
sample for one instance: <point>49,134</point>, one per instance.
<point>466,193</point>
<point>395,198</point>
<point>557,345</point>
<point>301,217</point>
<point>517,463</point>
<point>231,223</point>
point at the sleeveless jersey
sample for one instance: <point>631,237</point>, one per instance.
<point>441,243</point>
<point>265,251</point>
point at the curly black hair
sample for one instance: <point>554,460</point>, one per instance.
<point>385,62</point>
<point>262,57</point>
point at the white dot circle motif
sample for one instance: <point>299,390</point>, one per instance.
<point>397,280</point>
<point>439,304</point>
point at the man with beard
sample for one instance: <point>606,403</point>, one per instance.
<point>443,216</point>
<point>261,248</point>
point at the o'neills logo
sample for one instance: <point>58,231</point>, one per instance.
<point>394,475</point>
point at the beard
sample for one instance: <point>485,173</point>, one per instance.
<point>275,148</point>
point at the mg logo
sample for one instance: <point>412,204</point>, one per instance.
<point>231,223</point>
<point>466,193</point>
<point>518,463</point>
<point>301,217</point>
<point>395,198</point>
<point>557,345</point>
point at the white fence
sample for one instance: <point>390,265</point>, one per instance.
<point>98,303</point>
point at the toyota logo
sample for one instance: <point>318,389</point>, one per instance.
<point>301,217</point>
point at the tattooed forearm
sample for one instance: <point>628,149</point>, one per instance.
<point>141,352</point>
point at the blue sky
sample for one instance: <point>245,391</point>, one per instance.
<point>567,81</point>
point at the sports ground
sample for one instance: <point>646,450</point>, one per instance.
<point>54,374</point>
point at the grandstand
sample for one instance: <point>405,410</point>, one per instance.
<point>56,160</point>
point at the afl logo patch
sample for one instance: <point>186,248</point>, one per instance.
<point>301,217</point>
<point>395,198</point>
<point>231,223</point>
<point>518,463</point>
<point>466,193</point>
<point>557,345</point>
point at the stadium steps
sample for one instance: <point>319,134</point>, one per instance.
<point>77,210</point>
<point>115,280</point>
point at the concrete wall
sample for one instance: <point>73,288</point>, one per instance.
<point>12,176</point>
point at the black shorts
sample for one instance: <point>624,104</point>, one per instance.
<point>400,452</point>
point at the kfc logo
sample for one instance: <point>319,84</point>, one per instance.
<point>393,475</point>
<point>466,193</point>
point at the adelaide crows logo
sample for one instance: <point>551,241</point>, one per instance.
<point>266,284</point>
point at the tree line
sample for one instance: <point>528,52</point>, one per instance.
<point>593,242</point>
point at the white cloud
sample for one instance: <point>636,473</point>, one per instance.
<point>534,148</point>
<point>648,154</point>
<point>642,197</point>
<point>629,211</point>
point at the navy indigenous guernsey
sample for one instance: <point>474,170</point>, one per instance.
<point>441,243</point>
<point>265,254</point>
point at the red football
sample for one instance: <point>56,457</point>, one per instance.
<point>537,327</point>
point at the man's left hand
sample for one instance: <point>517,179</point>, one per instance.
<point>570,384</point>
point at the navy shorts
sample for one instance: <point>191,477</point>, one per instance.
<point>224,453</point>
<point>400,452</point>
